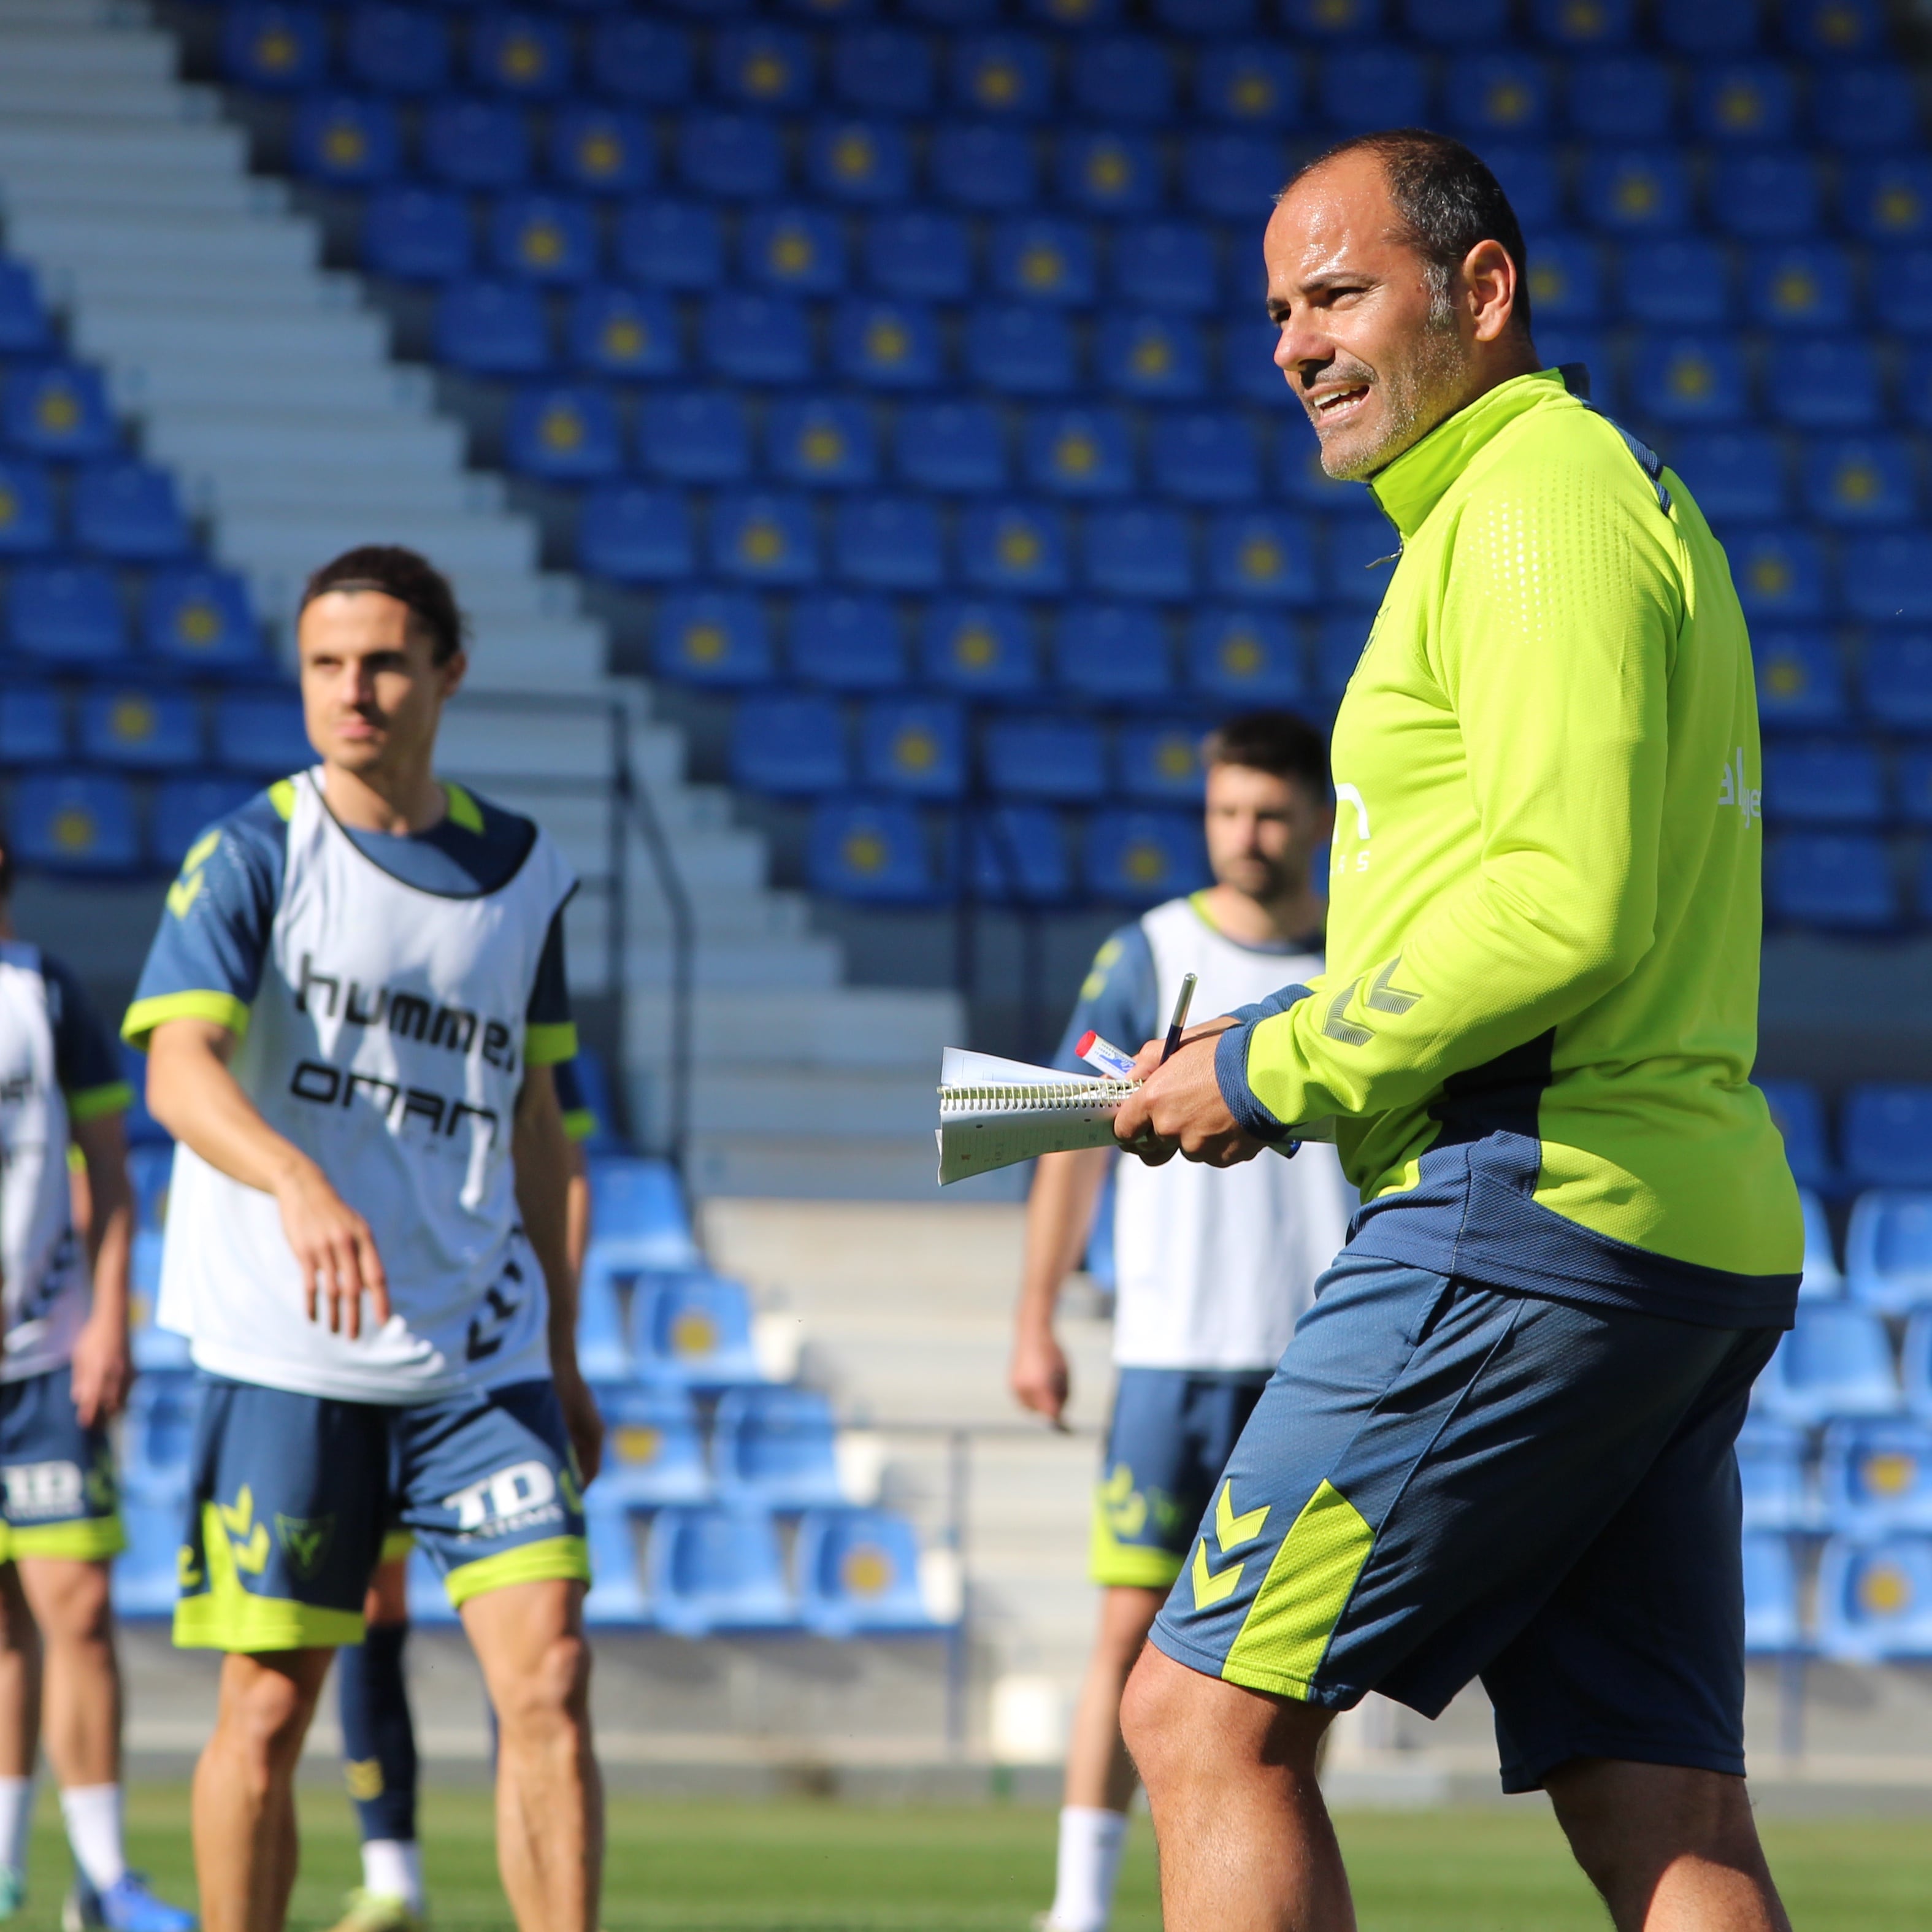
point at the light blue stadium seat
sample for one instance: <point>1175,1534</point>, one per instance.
<point>789,746</point>
<point>80,824</point>
<point>1042,259</point>
<point>1003,75</point>
<point>1154,358</point>
<point>146,730</point>
<point>1020,349</point>
<point>797,251</point>
<point>887,345</point>
<point>880,69</point>
<point>597,150</point>
<point>1836,1361</point>
<point>639,58</point>
<point>397,49</point>
<point>428,1600</point>
<point>1113,654</point>
<point>624,333</point>
<point>1262,556</point>
<point>56,409</point>
<point>1864,107</point>
<point>1620,97</point>
<point>654,1454</point>
<point>1824,782</point>
<point>146,1577</point>
<point>694,1328</point>
<point>1838,29</point>
<point>1832,884</point>
<point>671,244</point>
<point>1018,856</point>
<point>1801,679</point>
<point>200,620</point>
<point>1915,1364</point>
<point>1245,657</point>
<point>717,1569</point>
<point>616,1598</point>
<point>1897,683</point>
<point>1743,103</point>
<point>1875,1599</point>
<point>549,238</point>
<point>1693,381</point>
<point>492,328</point>
<point>1566,279</point>
<point>1231,173</point>
<point>868,163</point>
<point>1079,453</point>
<point>1780,573</point>
<point>1498,96</point>
<point>347,140</point>
<point>276,48</point>
<point>1797,285</point>
<point>150,1172</point>
<point>1204,456</point>
<point>847,643</point>
<point>65,614</point>
<point>417,234</point>
<point>128,511</point>
<point>1900,288</point>
<point>260,734</point>
<point>872,850</point>
<point>915,746</point>
<point>889,543</point>
<point>1888,577</point>
<point>1633,190</point>
<point>715,638</point>
<point>468,143</point>
<point>1170,265</point>
<point>1017,549</point>
<point>25,328</point>
<point>1738,475</point>
<point>1798,1114</point>
<point>27,527</point>
<point>732,157</point>
<point>1159,764</point>
<point>982,165</point>
<point>1876,1478</point>
<point>184,808</point>
<point>33,724</point>
<point>764,537</point>
<point>1137,857</point>
<point>776,1449</point>
<point>523,54</point>
<point>635,534</point>
<point>1773,1627</point>
<point>859,1575</point>
<point>158,1437</point>
<point>1885,1135</point>
<point>563,433</point>
<point>1850,397</point>
<point>918,255</point>
<point>1104,171</point>
<point>1821,1275</point>
<point>637,1215</point>
<point>755,337</point>
<point>1675,282</point>
<point>1251,83</point>
<point>762,66</point>
<point>1059,760</point>
<point>1856,482</point>
<point>1771,1468</point>
<point>981,649</point>
<point>1138,549</point>
<point>695,435</point>
<point>825,441</point>
<point>1324,21</point>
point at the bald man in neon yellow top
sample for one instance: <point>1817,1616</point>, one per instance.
<point>1500,1444</point>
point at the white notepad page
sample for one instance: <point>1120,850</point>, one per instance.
<point>994,1112</point>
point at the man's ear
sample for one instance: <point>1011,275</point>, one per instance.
<point>454,668</point>
<point>1491,284</point>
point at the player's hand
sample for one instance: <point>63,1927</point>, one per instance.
<point>335,1252</point>
<point>581,1421</point>
<point>1038,1377</point>
<point>103,1371</point>
<point>1179,1108</point>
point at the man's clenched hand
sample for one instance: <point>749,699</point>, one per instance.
<point>1179,1108</point>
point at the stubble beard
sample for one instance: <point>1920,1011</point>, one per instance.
<point>1415,397</point>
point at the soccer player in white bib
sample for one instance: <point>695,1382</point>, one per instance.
<point>1210,1276</point>
<point>351,1011</point>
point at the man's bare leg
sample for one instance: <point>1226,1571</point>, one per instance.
<point>529,1638</point>
<point>1099,1773</point>
<point>1671,1848</point>
<point>81,1705</point>
<point>1246,1845</point>
<point>244,1805</point>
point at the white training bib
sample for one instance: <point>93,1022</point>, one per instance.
<point>1213,1266</point>
<point>48,1293</point>
<point>386,1041</point>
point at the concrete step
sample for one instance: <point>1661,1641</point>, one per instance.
<point>262,242</point>
<point>838,1026</point>
<point>293,343</point>
<point>125,101</point>
<point>459,543</point>
<point>91,149</point>
<point>869,1103</point>
<point>243,440</point>
<point>340,395</point>
<point>199,192</point>
<point>855,1168</point>
<point>60,56</point>
<point>381,493</point>
<point>229,291</point>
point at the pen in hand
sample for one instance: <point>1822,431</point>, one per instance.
<point>1176,1026</point>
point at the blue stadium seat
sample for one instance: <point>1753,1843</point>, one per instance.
<point>184,808</point>
<point>1079,453</point>
<point>671,244</point>
<point>79,824</point>
<point>1203,456</point>
<point>825,441</point>
<point>1204,16</point>
<point>1137,857</point>
<point>912,745</point>
<point>1560,348</point>
<point>638,58</point>
<point>476,144</point>
<point>1915,1364</point>
<point>65,614</point>
<point>799,251</point>
<point>1453,23</point>
<point>260,734</point>
<point>637,1213</point>
<point>777,1449</point>
<point>733,157</point>
<point>1299,474</point>
<point>981,165</point>
<point>1885,1135</point>
<point>1583,25</point>
<point>1888,1248</point>
<point>25,328</point>
<point>1833,885</point>
<point>1332,20</point>
<point>1154,358</point>
<point>866,162</point>
<point>1102,171</point>
<point>1121,77</point>
<point>1160,763</point>
<point>1889,201</point>
<point>275,49</point>
<point>525,55</point>
<point>748,336</point>
<point>1255,83</point>
<point>1018,549</point>
<point>951,446</point>
<point>1836,1361</point>
<point>140,730</point>
<point>1915,804</point>
<point>768,538</point>
<point>27,523</point>
<point>872,850</point>
<point>1004,75</point>
<point>883,70</point>
<point>1780,575</point>
<point>1864,107</point>
<point>1773,1626</point>
<point>1825,782</point>
<point>563,433</point>
<point>921,255</point>
<point>1620,97</point>
<point>1900,288</point>
<point>714,638</point>
<point>1710,27</point>
<point>1888,577</point>
<point>762,66</point>
<point>1113,654</point>
<point>1799,1116</point>
<point>200,620</point>
<point>1770,1467</point>
<point>1839,29</point>
<point>1262,556</point>
<point>56,409</point>
<point>128,511</point>
<point>617,1599</point>
<point>418,234</point>
<point>1138,549</point>
<point>624,333</point>
<point>1497,97</point>
<point>1249,371</point>
<point>1020,349</point>
<point>603,1338</point>
<point>695,1328</point>
<point>635,534</point>
<point>545,238</point>
<point>1233,173</point>
<point>1801,679</point>
<point>1358,558</point>
<point>1896,681</point>
<point>1799,285</point>
<point>158,1438</point>
<point>1058,759</point>
<point>601,150</point>
<point>1168,265</point>
<point>695,435</point>
<point>346,140</point>
<point>146,1577</point>
<point>33,724</point>
<point>1566,279</point>
<point>1040,259</point>
<point>1018,856</point>
<point>1635,190</point>
<point>1855,481</point>
<point>887,345</point>
<point>1245,657</point>
<point>397,49</point>
<point>1767,195</point>
<point>717,1569</point>
<point>789,746</point>
<point>1737,476</point>
<point>889,543</point>
<point>1820,1274</point>
<point>1743,103</point>
<point>979,650</point>
<point>1359,88</point>
<point>1875,1599</point>
<point>492,328</point>
<point>859,1575</point>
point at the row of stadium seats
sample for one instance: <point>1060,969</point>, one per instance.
<point>1883,1138</point>
<point>1838,1363</point>
<point>1869,1477</point>
<point>152,728</point>
<point>1873,1599</point>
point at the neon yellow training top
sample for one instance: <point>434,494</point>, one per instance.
<point>1539,1012</point>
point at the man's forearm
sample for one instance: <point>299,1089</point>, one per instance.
<point>194,1094</point>
<point>541,1152</point>
<point>1060,1216</point>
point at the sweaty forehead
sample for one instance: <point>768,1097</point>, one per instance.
<point>1339,217</point>
<point>372,619</point>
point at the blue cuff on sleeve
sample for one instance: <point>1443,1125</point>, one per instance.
<point>1231,1065</point>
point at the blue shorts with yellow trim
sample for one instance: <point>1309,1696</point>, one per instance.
<point>292,1498</point>
<point>1171,1432</point>
<point>1444,1481</point>
<point>61,1497</point>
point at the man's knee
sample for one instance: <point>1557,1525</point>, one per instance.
<point>530,1641</point>
<point>1173,1717</point>
<point>1627,1822</point>
<point>1126,1615</point>
<point>266,1704</point>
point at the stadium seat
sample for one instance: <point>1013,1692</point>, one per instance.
<point>260,735</point>
<point>677,245</point>
<point>1635,190</point>
<point>1332,20</point>
<point>824,441</point>
<point>694,1328</point>
<point>617,1599</point>
<point>347,140</point>
<point>1888,201</point>
<point>797,251</point>
<point>981,649</point>
<point>1889,577</point>
<point>1855,481</point>
<point>58,410</point>
<point>1875,1599</point>
<point>1743,103</point>
<point>635,534</point>
<point>1712,27</point>
<point>1113,654</point>
<point>77,823</point>
<point>128,511</point>
<point>887,345</point>
<point>146,1577</point>
<point>1152,357</point>
<point>752,337</point>
<point>916,746</point>
<point>138,730</point>
<point>417,234</point>
<point>1104,172</point>
<point>1914,778</point>
<point>864,163</point>
<point>732,156</point>
<point>1233,174</point>
<point>883,70</point>
<point>1167,265</point>
<point>1835,1361</point>
<point>1901,290</point>
<point>1138,549</point>
<point>714,1570</point>
<point>1004,75</point>
<point>624,333</point>
<point>1618,96</point>
<point>637,1214</point>
<point>1203,17</point>
<point>1675,281</point>
<point>397,49</point>
<point>767,537</point>
<point>1838,29</point>
<point>872,850</point>
<point>1864,107</point>
<point>654,1455</point>
<point>545,238</point>
<point>1915,1364</point>
<point>982,167</point>
<point>1018,856</point>
<point>1245,657</point>
<point>1058,760</point>
<point>918,255</point>
<point>1885,1135</point>
<point>1079,453</point>
<point>641,59</point>
<point>65,614</point>
<point>1359,88</point>
<point>563,433</point>
<point>25,328</point>
<point>789,746</point>
<point>956,447</point>
<point>1016,549</point>
<point>762,66</point>
<point>275,49</point>
<point>1020,349</point>
<point>1795,285</point>
<point>1138,857</point>
<point>1801,680</point>
<point>184,808</point>
<point>33,724</point>
<point>1262,556</point>
<point>1780,573</point>
<point>714,638</point>
<point>1689,381</point>
<point>1821,1275</point>
<point>1888,1248</point>
<point>597,150</point>
<point>476,144</point>
<point>1299,474</point>
<point>776,1449</point>
<point>522,54</point>
<point>27,523</point>
<point>492,328</point>
<point>695,435</point>
<point>1042,259</point>
<point>1831,885</point>
<point>1159,764</point>
<point>1451,23</point>
<point>1737,476</point>
<point>1829,385</point>
<point>1566,279</point>
<point>1771,1465</point>
<point>859,1575</point>
<point>1202,456</point>
<point>1799,1116</point>
<point>1772,1624</point>
<point>1896,681</point>
<point>157,1438</point>
<point>889,543</point>
<point>1497,97</point>
<point>1824,782</point>
<point>199,620</point>
<point>1258,83</point>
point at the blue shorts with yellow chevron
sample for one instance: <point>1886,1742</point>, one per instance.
<point>60,1495</point>
<point>1444,1481</point>
<point>291,1497</point>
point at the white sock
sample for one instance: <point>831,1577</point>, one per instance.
<point>16,1821</point>
<point>1090,1843</point>
<point>93,1815</point>
<point>392,1868</point>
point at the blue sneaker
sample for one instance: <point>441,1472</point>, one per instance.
<point>13,1891</point>
<point>126,1905</point>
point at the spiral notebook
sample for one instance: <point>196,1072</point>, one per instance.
<point>993,1112</point>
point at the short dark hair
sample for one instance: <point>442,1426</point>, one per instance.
<point>1446,199</point>
<point>1280,742</point>
<point>405,576</point>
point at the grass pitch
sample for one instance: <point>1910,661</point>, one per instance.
<point>819,1867</point>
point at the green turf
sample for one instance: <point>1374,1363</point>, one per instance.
<point>818,1868</point>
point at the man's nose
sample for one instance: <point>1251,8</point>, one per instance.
<point>1301,350</point>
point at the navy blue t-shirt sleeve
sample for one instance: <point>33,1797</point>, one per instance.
<point>1119,999</point>
<point>580,1117</point>
<point>86,1063</point>
<point>549,1033</point>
